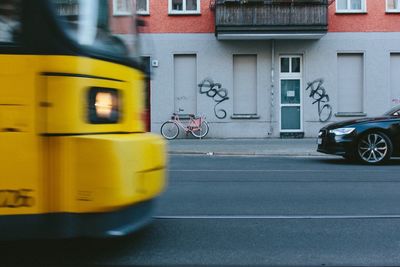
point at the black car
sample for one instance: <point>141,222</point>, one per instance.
<point>368,140</point>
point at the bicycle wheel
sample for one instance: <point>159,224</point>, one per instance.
<point>201,131</point>
<point>169,130</point>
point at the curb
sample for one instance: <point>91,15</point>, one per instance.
<point>211,153</point>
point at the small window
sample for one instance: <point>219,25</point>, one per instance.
<point>142,7</point>
<point>393,6</point>
<point>350,6</point>
<point>296,64</point>
<point>122,7</point>
<point>290,64</point>
<point>10,22</point>
<point>285,64</point>
<point>184,6</point>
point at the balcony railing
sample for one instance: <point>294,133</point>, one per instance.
<point>271,19</point>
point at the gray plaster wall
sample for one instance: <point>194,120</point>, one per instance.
<point>215,60</point>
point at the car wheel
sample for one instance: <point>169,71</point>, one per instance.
<point>374,148</point>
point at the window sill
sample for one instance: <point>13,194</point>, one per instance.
<point>245,117</point>
<point>392,11</point>
<point>122,14</point>
<point>183,13</point>
<point>144,13</point>
<point>344,12</point>
<point>350,114</point>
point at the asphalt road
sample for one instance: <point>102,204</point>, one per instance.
<point>250,211</point>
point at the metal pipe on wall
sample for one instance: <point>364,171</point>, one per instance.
<point>272,108</point>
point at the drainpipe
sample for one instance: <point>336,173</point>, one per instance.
<point>272,108</point>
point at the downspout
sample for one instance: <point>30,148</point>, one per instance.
<point>272,94</point>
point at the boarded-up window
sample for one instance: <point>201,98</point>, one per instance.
<point>350,83</point>
<point>395,79</point>
<point>244,84</point>
<point>185,83</point>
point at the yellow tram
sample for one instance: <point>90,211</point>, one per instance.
<point>75,159</point>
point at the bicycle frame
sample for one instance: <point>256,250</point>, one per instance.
<point>193,124</point>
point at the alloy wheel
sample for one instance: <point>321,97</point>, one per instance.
<point>373,148</point>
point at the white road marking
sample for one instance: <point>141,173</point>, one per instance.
<point>337,170</point>
<point>269,217</point>
<point>251,155</point>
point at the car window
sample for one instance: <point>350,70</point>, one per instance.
<point>393,112</point>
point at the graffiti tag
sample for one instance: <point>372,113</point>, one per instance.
<point>16,198</point>
<point>217,93</point>
<point>318,93</point>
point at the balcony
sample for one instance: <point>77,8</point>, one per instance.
<point>271,19</point>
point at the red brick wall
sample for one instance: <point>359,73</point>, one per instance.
<point>160,22</point>
<point>119,24</point>
<point>375,20</point>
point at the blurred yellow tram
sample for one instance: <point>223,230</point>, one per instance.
<point>75,159</point>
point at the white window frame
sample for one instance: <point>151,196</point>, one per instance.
<point>349,10</point>
<point>395,10</point>
<point>291,76</point>
<point>183,11</point>
<point>145,12</point>
<point>117,12</point>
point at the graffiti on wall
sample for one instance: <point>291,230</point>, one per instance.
<point>319,95</point>
<point>217,93</point>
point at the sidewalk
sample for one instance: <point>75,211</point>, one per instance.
<point>268,146</point>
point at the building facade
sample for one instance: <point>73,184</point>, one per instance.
<point>271,68</point>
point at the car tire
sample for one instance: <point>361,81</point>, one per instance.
<point>374,148</point>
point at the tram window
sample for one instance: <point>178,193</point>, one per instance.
<point>10,25</point>
<point>104,105</point>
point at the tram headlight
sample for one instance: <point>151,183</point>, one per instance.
<point>104,105</point>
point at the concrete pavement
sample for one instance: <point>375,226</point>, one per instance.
<point>268,146</point>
